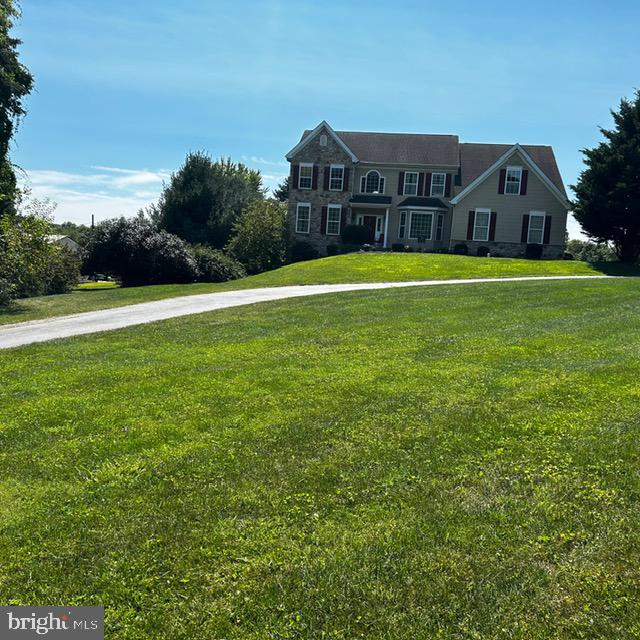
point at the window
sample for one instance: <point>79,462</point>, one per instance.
<point>536,227</point>
<point>514,179</point>
<point>373,182</point>
<point>305,178</point>
<point>323,140</point>
<point>303,217</point>
<point>481,225</point>
<point>410,183</point>
<point>333,219</point>
<point>420,226</point>
<point>402,224</point>
<point>439,226</point>
<point>336,177</point>
<point>438,181</point>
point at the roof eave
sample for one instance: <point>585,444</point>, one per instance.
<point>324,124</point>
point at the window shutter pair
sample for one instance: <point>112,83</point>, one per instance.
<point>492,225</point>
<point>427,184</point>
<point>546,233</point>
<point>524,179</point>
<point>401,183</point>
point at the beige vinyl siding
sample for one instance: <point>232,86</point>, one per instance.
<point>510,208</point>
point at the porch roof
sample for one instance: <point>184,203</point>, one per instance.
<point>415,201</point>
<point>370,198</point>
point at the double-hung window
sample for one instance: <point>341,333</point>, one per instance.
<point>481,225</point>
<point>336,177</point>
<point>303,217</point>
<point>536,227</point>
<point>420,226</point>
<point>334,212</point>
<point>305,177</point>
<point>410,183</point>
<point>438,181</point>
<point>513,181</point>
<point>402,224</point>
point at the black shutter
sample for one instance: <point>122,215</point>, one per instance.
<point>447,186</point>
<point>523,182</point>
<point>323,221</point>
<point>427,184</point>
<point>314,180</point>
<point>525,228</point>
<point>296,175</point>
<point>327,175</point>
<point>547,229</point>
<point>420,191</point>
<point>401,183</point>
<point>492,226</point>
<point>345,182</point>
<point>470,223</point>
<point>503,179</point>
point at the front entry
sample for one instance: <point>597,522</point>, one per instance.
<point>370,224</point>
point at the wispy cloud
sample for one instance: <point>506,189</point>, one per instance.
<point>262,161</point>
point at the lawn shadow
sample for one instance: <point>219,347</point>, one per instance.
<point>617,269</point>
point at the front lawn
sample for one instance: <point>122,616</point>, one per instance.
<point>457,462</point>
<point>370,267</point>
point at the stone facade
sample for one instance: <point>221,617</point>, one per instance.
<point>509,249</point>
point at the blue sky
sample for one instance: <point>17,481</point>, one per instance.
<point>125,88</point>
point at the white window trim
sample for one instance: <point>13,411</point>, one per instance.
<point>423,213</point>
<point>339,208</point>
<point>404,183</point>
<point>303,204</point>
<point>444,184</point>
<point>537,214</point>
<point>381,179</point>
<point>305,164</point>
<point>331,168</point>
<point>506,175</point>
<point>475,218</point>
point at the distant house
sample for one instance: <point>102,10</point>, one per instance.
<point>65,241</point>
<point>428,191</point>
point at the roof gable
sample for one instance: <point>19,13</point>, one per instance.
<point>479,161</point>
<point>308,136</point>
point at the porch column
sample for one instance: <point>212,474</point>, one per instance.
<point>386,228</point>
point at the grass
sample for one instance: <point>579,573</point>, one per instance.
<point>460,462</point>
<point>92,286</point>
<point>374,267</point>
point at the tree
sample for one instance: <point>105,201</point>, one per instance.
<point>607,202</point>
<point>204,199</point>
<point>259,237</point>
<point>590,251</point>
<point>15,83</point>
<point>281,192</point>
<point>137,253</point>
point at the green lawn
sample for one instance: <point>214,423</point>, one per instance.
<point>453,463</point>
<point>374,267</point>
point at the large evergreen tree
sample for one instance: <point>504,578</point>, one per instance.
<point>607,202</point>
<point>15,83</point>
<point>204,199</point>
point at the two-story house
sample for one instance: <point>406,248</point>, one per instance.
<point>428,191</point>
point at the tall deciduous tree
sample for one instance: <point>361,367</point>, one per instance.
<point>205,198</point>
<point>15,83</point>
<point>607,202</point>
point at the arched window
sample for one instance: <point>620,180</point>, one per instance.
<point>372,182</point>
<point>323,140</point>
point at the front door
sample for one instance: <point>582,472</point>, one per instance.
<point>369,223</point>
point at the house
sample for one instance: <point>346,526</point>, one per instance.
<point>64,241</point>
<point>428,191</point>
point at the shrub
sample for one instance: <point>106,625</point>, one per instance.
<point>137,254</point>
<point>215,266</point>
<point>63,271</point>
<point>302,250</point>
<point>483,252</point>
<point>354,234</point>
<point>398,247</point>
<point>258,239</point>
<point>533,251</point>
<point>351,248</point>
<point>333,250</point>
<point>461,249</point>
<point>590,251</point>
<point>567,256</point>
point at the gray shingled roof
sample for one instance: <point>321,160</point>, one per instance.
<point>420,201</point>
<point>401,148</point>
<point>475,158</point>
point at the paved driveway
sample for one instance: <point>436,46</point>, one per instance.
<point>16,335</point>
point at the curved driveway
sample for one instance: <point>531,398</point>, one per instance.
<point>16,335</point>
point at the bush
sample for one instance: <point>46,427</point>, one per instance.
<point>136,253</point>
<point>590,251</point>
<point>533,251</point>
<point>258,239</point>
<point>215,266</point>
<point>351,248</point>
<point>567,256</point>
<point>333,249</point>
<point>398,247</point>
<point>483,252</point>
<point>63,271</point>
<point>302,250</point>
<point>461,249</point>
<point>354,234</point>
